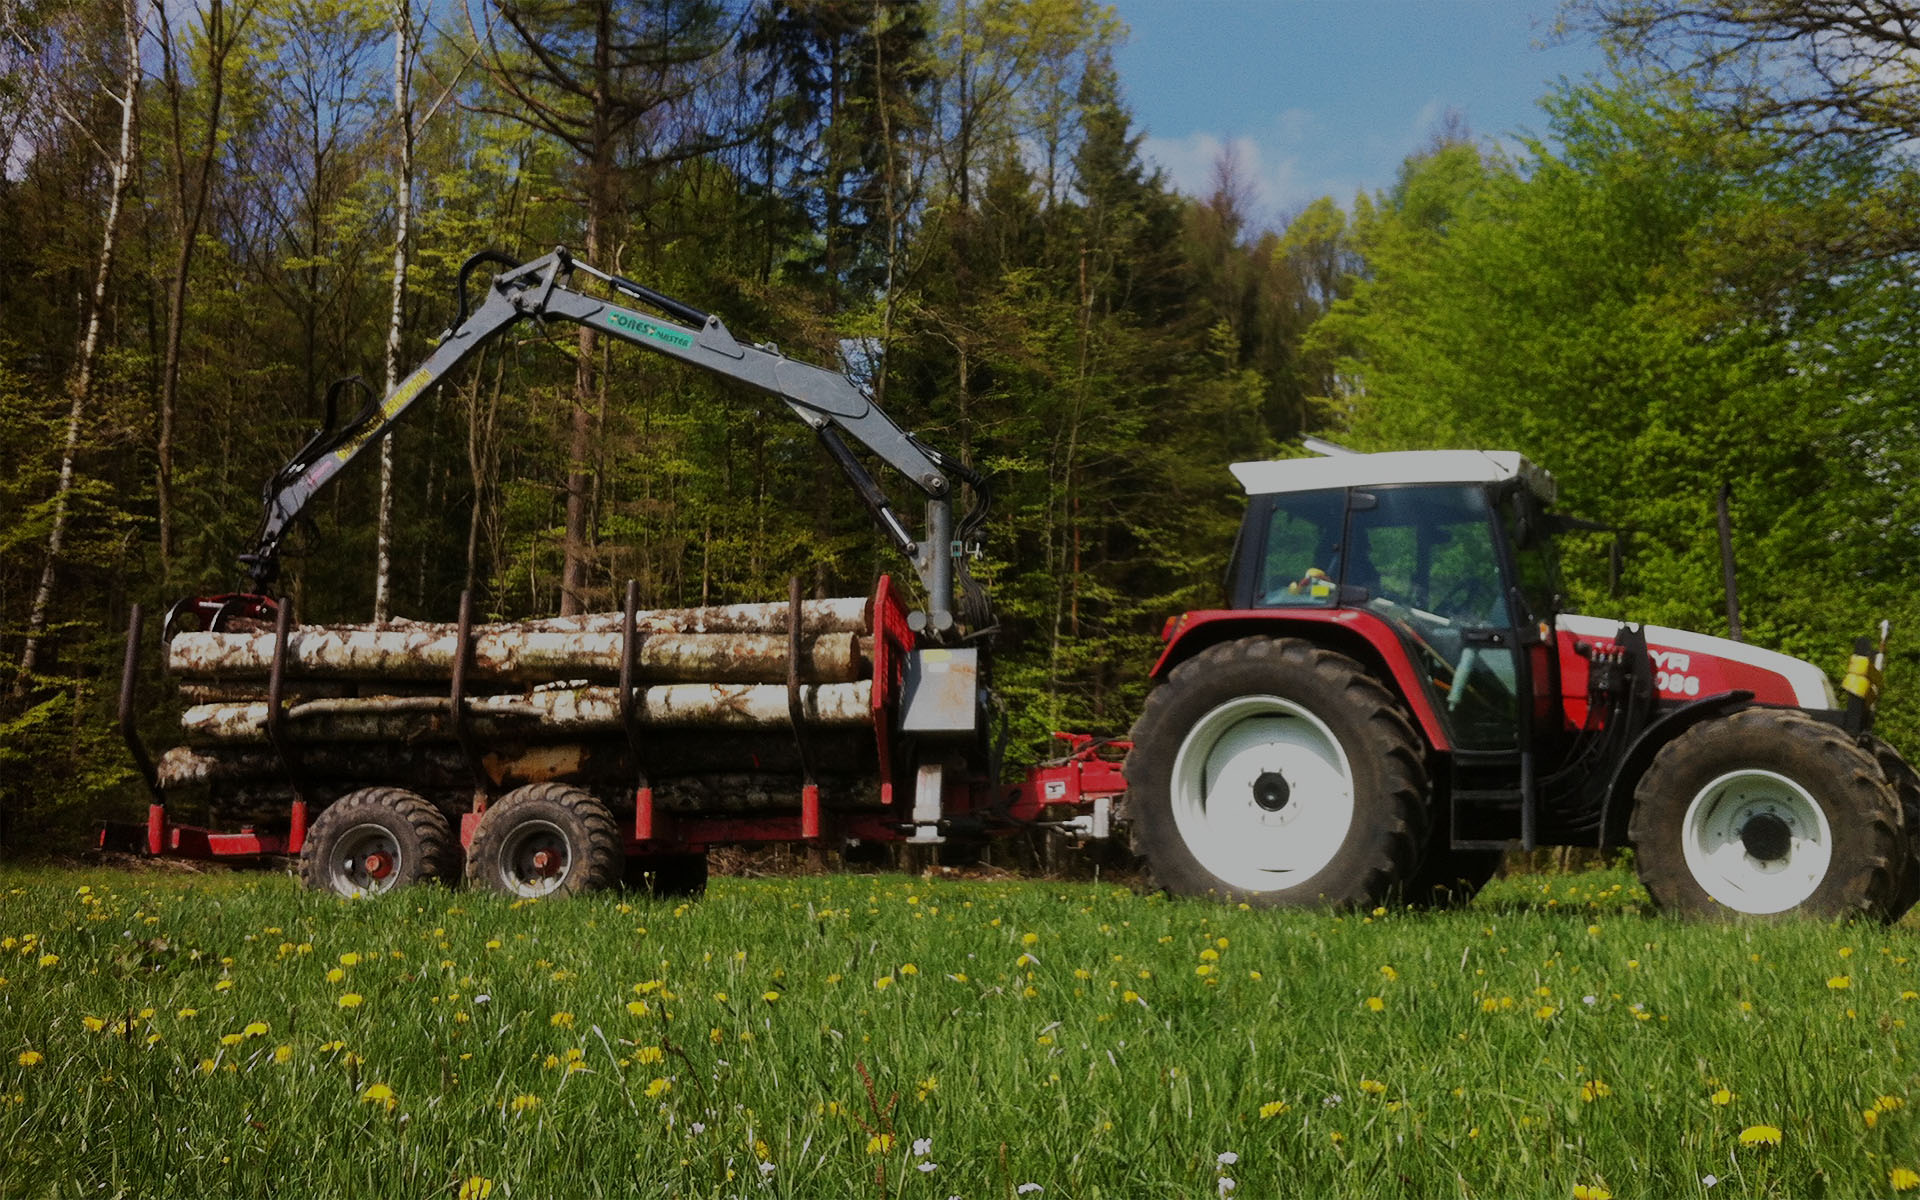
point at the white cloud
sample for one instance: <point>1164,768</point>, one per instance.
<point>1273,171</point>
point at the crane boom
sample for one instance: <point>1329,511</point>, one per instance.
<point>830,403</point>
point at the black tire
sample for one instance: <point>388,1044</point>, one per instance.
<point>375,840</point>
<point>1906,785</point>
<point>545,839</point>
<point>1342,728</point>
<point>667,876</point>
<point>1735,806</point>
<point>1449,878</point>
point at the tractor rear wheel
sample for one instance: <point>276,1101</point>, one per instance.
<point>375,840</point>
<point>1767,811</point>
<point>545,839</point>
<point>1274,772</point>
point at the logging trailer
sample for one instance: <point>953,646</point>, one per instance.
<point>1390,700</point>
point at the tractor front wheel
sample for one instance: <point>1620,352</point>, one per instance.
<point>545,839</point>
<point>1275,772</point>
<point>375,840</point>
<point>1767,811</point>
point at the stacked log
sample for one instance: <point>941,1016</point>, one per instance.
<point>377,698</point>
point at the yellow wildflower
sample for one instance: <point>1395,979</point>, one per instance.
<point>254,1029</point>
<point>1376,1004</point>
<point>1903,1179</point>
<point>1722,1098</point>
<point>1585,1191</point>
<point>658,1088</point>
<point>1840,982</point>
<point>1760,1135</point>
<point>475,1187</point>
<point>351,1000</point>
<point>1272,1108</point>
<point>30,1058</point>
<point>561,1020</point>
<point>381,1094</point>
<point>1593,1089</point>
<point>880,1143</point>
<point>93,1024</point>
<point>524,1102</point>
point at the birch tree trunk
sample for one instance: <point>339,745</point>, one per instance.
<point>403,223</point>
<point>82,381</point>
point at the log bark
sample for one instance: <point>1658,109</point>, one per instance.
<point>555,713</point>
<point>416,653</point>
<point>598,761</point>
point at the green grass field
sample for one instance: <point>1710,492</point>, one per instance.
<point>884,1035</point>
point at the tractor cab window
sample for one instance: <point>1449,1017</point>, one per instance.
<point>1530,541</point>
<point>1427,560</point>
<point>1299,563</point>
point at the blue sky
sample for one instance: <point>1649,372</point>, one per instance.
<point>1326,97</point>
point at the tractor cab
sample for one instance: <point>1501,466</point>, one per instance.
<point>1449,548</point>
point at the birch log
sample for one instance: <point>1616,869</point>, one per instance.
<point>553,713</point>
<point>514,655</point>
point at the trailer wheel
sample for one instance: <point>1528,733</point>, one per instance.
<point>1906,785</point>
<point>1271,771</point>
<point>668,876</point>
<point>1767,811</point>
<point>375,840</point>
<point>545,839</point>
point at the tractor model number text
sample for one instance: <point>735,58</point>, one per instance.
<point>1672,676</point>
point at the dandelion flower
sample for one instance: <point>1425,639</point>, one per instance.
<point>49,960</point>
<point>883,983</point>
<point>283,1054</point>
<point>561,1020</point>
<point>648,1054</point>
<point>1888,1104</point>
<point>525,1102</point>
<point>880,1143</point>
<point>1593,1089</point>
<point>1869,1117</point>
<point>381,1094</point>
<point>30,1058</point>
<point>351,999</point>
<point>1760,1135</point>
<point>225,985</point>
<point>909,969</point>
<point>335,974</point>
<point>1545,1012</point>
<point>1722,1098</point>
<point>1903,1179</point>
<point>475,1187</point>
<point>658,1088</point>
<point>1272,1108</point>
<point>93,1024</point>
<point>254,1029</point>
<point>1376,1004</point>
<point>1840,983</point>
<point>1373,1087</point>
<point>1590,1191</point>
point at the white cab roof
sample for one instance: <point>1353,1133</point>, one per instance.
<point>1397,466</point>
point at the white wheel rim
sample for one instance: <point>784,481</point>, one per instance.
<point>1742,806</point>
<point>535,858</point>
<point>1248,845</point>
<point>366,860</point>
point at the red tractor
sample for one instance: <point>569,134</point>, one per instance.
<point>1393,697</point>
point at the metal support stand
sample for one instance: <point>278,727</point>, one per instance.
<point>457,706</point>
<point>629,716</point>
<point>929,784</point>
<point>809,787</point>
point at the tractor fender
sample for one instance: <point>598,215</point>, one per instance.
<point>1618,805</point>
<point>1361,636</point>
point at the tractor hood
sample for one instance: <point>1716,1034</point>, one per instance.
<point>1690,665</point>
